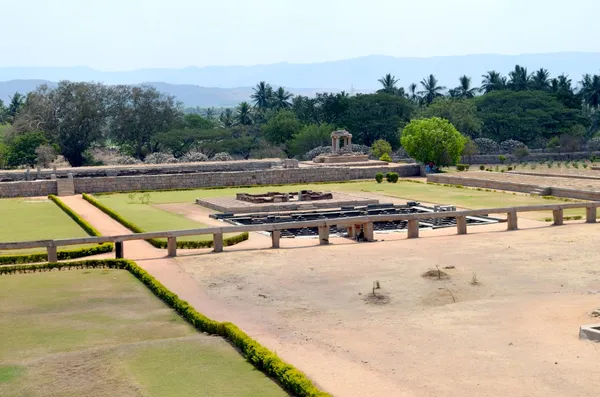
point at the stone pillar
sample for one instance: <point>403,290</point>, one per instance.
<point>119,253</point>
<point>351,231</point>
<point>171,247</point>
<point>27,173</point>
<point>275,237</point>
<point>218,242</point>
<point>52,254</point>
<point>369,231</point>
<point>323,235</point>
<point>349,143</point>
<point>39,172</point>
<point>461,224</point>
<point>590,214</point>
<point>513,223</point>
<point>413,228</point>
<point>558,217</point>
<point>333,150</point>
<point>52,177</point>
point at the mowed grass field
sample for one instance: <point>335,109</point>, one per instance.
<point>24,219</point>
<point>102,333</point>
<point>428,193</point>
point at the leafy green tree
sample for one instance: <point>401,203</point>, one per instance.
<point>431,89</point>
<point>3,113</point>
<point>21,151</point>
<point>518,79</point>
<point>525,116</point>
<point>210,113</point>
<point>461,113</point>
<point>195,121</point>
<point>139,115</point>
<point>309,137</point>
<point>433,139</point>
<point>375,116</point>
<point>15,105</point>
<point>262,96</point>
<point>464,90</point>
<point>243,114</point>
<point>281,127</point>
<point>281,99</point>
<point>227,118</point>
<point>590,90</point>
<point>562,89</point>
<point>381,147</point>
<point>493,81</point>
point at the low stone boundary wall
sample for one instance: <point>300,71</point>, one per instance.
<point>205,179</point>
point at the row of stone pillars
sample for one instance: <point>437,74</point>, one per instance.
<point>367,228</point>
<point>336,143</point>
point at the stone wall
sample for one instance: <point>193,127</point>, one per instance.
<point>482,183</point>
<point>242,178</point>
<point>27,189</point>
<point>143,169</point>
<point>533,157</point>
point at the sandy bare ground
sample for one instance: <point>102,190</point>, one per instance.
<point>514,333</point>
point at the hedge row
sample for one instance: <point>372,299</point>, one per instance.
<point>263,359</point>
<point>64,254</point>
<point>161,243</point>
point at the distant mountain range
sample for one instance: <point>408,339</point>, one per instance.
<point>229,85</point>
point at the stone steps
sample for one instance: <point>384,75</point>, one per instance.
<point>541,191</point>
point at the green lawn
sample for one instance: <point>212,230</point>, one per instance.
<point>464,198</point>
<point>101,332</point>
<point>25,219</point>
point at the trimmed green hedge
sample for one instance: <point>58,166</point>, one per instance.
<point>161,243</point>
<point>262,358</point>
<point>64,254</point>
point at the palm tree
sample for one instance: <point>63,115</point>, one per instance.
<point>412,93</point>
<point>263,95</point>
<point>562,83</point>
<point>492,81</point>
<point>389,84</point>
<point>210,113</point>
<point>464,89</point>
<point>244,114</point>
<point>541,80</point>
<point>518,79</point>
<point>590,90</point>
<point>281,99</point>
<point>431,89</point>
<point>226,118</point>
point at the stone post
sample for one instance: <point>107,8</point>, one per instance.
<point>52,177</point>
<point>171,247</point>
<point>119,253</point>
<point>275,236</point>
<point>461,224</point>
<point>558,217</point>
<point>27,173</point>
<point>413,228</point>
<point>369,232</point>
<point>349,144</point>
<point>39,172</point>
<point>351,231</point>
<point>52,253</point>
<point>590,214</point>
<point>333,145</point>
<point>218,242</point>
<point>513,223</point>
<point>323,235</point>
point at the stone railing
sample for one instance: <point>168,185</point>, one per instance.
<point>366,222</point>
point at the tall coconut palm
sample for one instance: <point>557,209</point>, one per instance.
<point>281,99</point>
<point>590,90</point>
<point>243,114</point>
<point>210,113</point>
<point>464,89</point>
<point>431,89</point>
<point>492,81</point>
<point>388,83</point>
<point>263,95</point>
<point>226,119</point>
<point>518,79</point>
<point>561,83</point>
<point>412,93</point>
<point>541,80</point>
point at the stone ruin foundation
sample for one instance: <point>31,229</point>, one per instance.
<point>277,197</point>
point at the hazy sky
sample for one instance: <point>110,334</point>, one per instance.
<point>128,34</point>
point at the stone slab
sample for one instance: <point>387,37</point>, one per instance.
<point>590,332</point>
<point>231,205</point>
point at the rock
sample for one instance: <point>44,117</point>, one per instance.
<point>595,313</point>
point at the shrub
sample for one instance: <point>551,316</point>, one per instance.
<point>502,159</point>
<point>461,167</point>
<point>391,177</point>
<point>521,152</point>
<point>433,139</point>
<point>486,146</point>
<point>379,177</point>
<point>385,157</point>
<point>161,243</point>
<point>381,147</point>
<point>482,167</point>
<point>263,359</point>
<point>193,157</point>
<point>160,158</point>
<point>124,160</point>
<point>223,156</point>
<point>318,151</point>
<point>509,146</point>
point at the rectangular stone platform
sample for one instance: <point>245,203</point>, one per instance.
<point>233,206</point>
